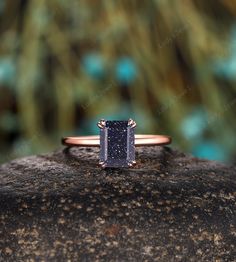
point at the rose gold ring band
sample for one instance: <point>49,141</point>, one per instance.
<point>94,141</point>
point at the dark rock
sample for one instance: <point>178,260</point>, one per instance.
<point>169,207</point>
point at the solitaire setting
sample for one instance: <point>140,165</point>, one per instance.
<point>117,143</point>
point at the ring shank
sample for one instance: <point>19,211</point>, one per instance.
<point>94,141</point>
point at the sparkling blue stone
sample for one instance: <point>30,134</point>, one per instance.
<point>117,147</point>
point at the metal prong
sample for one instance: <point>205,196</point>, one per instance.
<point>101,123</point>
<point>132,163</point>
<point>131,123</point>
<point>102,164</point>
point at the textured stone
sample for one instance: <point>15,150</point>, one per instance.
<point>169,207</point>
<point>117,144</point>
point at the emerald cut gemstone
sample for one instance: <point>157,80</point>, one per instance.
<point>117,148</point>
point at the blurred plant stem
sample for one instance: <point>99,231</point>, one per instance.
<point>153,60</point>
<point>29,64</point>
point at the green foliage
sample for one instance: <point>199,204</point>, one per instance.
<point>64,60</point>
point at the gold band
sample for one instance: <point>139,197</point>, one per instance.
<point>94,141</point>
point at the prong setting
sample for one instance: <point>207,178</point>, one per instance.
<point>102,164</point>
<point>132,123</point>
<point>132,163</point>
<point>101,123</point>
<point>117,147</point>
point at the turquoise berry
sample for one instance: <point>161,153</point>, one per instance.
<point>7,71</point>
<point>194,124</point>
<point>210,150</point>
<point>126,70</point>
<point>94,65</point>
<point>226,67</point>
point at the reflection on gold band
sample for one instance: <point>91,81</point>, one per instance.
<point>140,140</point>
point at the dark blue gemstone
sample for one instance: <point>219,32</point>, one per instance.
<point>117,147</point>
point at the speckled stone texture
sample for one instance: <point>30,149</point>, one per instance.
<point>170,207</point>
<point>117,147</point>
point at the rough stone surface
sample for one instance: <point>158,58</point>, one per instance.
<point>170,207</point>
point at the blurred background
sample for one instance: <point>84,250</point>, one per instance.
<point>168,64</point>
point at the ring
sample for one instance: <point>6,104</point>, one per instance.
<point>117,142</point>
